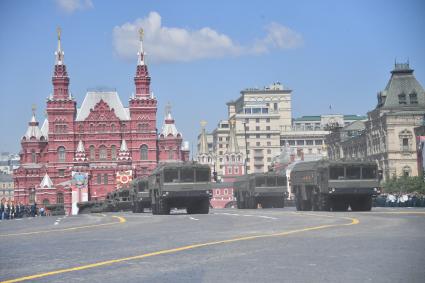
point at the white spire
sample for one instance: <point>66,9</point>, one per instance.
<point>169,127</point>
<point>33,129</point>
<point>46,182</point>
<point>80,147</point>
<point>203,148</point>
<point>59,54</point>
<point>123,146</point>
<point>141,54</point>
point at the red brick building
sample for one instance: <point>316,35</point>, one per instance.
<point>100,139</point>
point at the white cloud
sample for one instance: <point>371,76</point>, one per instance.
<point>71,6</point>
<point>178,44</point>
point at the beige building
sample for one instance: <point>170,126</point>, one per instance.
<point>388,136</point>
<point>260,116</point>
<point>6,186</point>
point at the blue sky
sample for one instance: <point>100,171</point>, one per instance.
<point>201,54</point>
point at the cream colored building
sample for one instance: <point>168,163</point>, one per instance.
<point>6,186</point>
<point>260,116</point>
<point>388,137</point>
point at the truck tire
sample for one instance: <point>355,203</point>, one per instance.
<point>163,207</point>
<point>324,203</point>
<point>363,203</point>
<point>204,206</point>
<point>339,204</point>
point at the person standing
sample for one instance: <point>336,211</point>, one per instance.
<point>2,209</point>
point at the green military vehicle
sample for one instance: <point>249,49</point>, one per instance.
<point>267,189</point>
<point>335,185</point>
<point>180,185</point>
<point>118,200</point>
<point>139,195</point>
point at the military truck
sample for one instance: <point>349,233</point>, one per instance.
<point>268,189</point>
<point>180,185</point>
<point>335,185</point>
<point>118,200</point>
<point>139,195</point>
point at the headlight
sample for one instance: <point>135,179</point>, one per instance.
<point>165,194</point>
<point>331,190</point>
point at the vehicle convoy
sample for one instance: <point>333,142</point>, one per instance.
<point>268,189</point>
<point>180,185</point>
<point>139,195</point>
<point>118,200</point>
<point>335,185</point>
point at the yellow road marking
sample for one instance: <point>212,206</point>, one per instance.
<point>121,220</point>
<point>354,221</point>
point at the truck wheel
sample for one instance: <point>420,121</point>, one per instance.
<point>339,204</point>
<point>298,203</point>
<point>154,208</point>
<point>362,204</point>
<point>324,204</point>
<point>315,202</point>
<point>204,206</point>
<point>163,207</point>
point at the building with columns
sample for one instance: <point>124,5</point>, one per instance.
<point>387,136</point>
<point>99,139</point>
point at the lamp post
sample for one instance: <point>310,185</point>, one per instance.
<point>246,149</point>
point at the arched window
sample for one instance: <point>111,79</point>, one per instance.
<point>45,202</point>
<point>103,155</point>
<point>59,198</point>
<point>61,154</point>
<point>144,152</point>
<point>91,128</point>
<point>406,171</point>
<point>112,127</point>
<point>33,156</point>
<point>92,153</point>
<point>402,98</point>
<point>170,154</point>
<point>32,196</point>
<point>113,152</point>
<point>413,98</point>
<point>81,128</point>
<point>105,179</point>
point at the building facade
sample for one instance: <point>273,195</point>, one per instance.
<point>101,139</point>
<point>6,187</point>
<point>388,136</point>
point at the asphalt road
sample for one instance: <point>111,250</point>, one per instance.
<point>228,245</point>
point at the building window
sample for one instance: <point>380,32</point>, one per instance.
<point>61,154</point>
<point>246,120</point>
<point>103,155</point>
<point>61,172</point>
<point>268,120</point>
<point>144,152</point>
<point>269,151</point>
<point>99,179</point>
<point>45,202</point>
<point>229,170</point>
<point>257,143</point>
<point>402,98</point>
<point>105,179</point>
<point>257,128</point>
<point>291,142</point>
<point>236,170</point>
<point>33,156</point>
<point>59,198</point>
<point>269,136</point>
<point>112,127</point>
<point>258,136</point>
<point>406,171</point>
<point>413,98</point>
<point>405,146</point>
<point>309,142</point>
<point>220,138</point>
<point>91,128</point>
<point>275,106</point>
<point>268,128</point>
<point>170,154</point>
<point>92,153</point>
<point>257,120</point>
<point>113,152</point>
<point>318,142</point>
<point>81,128</point>
<point>300,142</point>
<point>32,196</point>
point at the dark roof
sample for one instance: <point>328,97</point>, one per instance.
<point>402,81</point>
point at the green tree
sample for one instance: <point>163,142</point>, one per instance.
<point>404,184</point>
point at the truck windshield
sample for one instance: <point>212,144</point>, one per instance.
<point>187,175</point>
<point>336,173</point>
<point>202,175</point>
<point>171,175</point>
<point>281,181</point>
<point>353,172</point>
<point>260,181</point>
<point>271,181</point>
<point>369,172</point>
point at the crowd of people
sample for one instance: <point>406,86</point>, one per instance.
<point>10,209</point>
<point>400,200</point>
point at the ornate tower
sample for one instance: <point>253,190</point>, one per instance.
<point>233,158</point>
<point>204,156</point>
<point>61,111</point>
<point>143,106</point>
<point>169,140</point>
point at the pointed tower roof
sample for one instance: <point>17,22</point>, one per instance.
<point>233,142</point>
<point>80,147</point>
<point>46,182</point>
<point>59,54</point>
<point>124,154</point>
<point>123,146</point>
<point>33,129</point>
<point>60,77</point>
<point>142,80</point>
<point>203,147</point>
<point>45,129</point>
<point>169,127</point>
<point>80,154</point>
